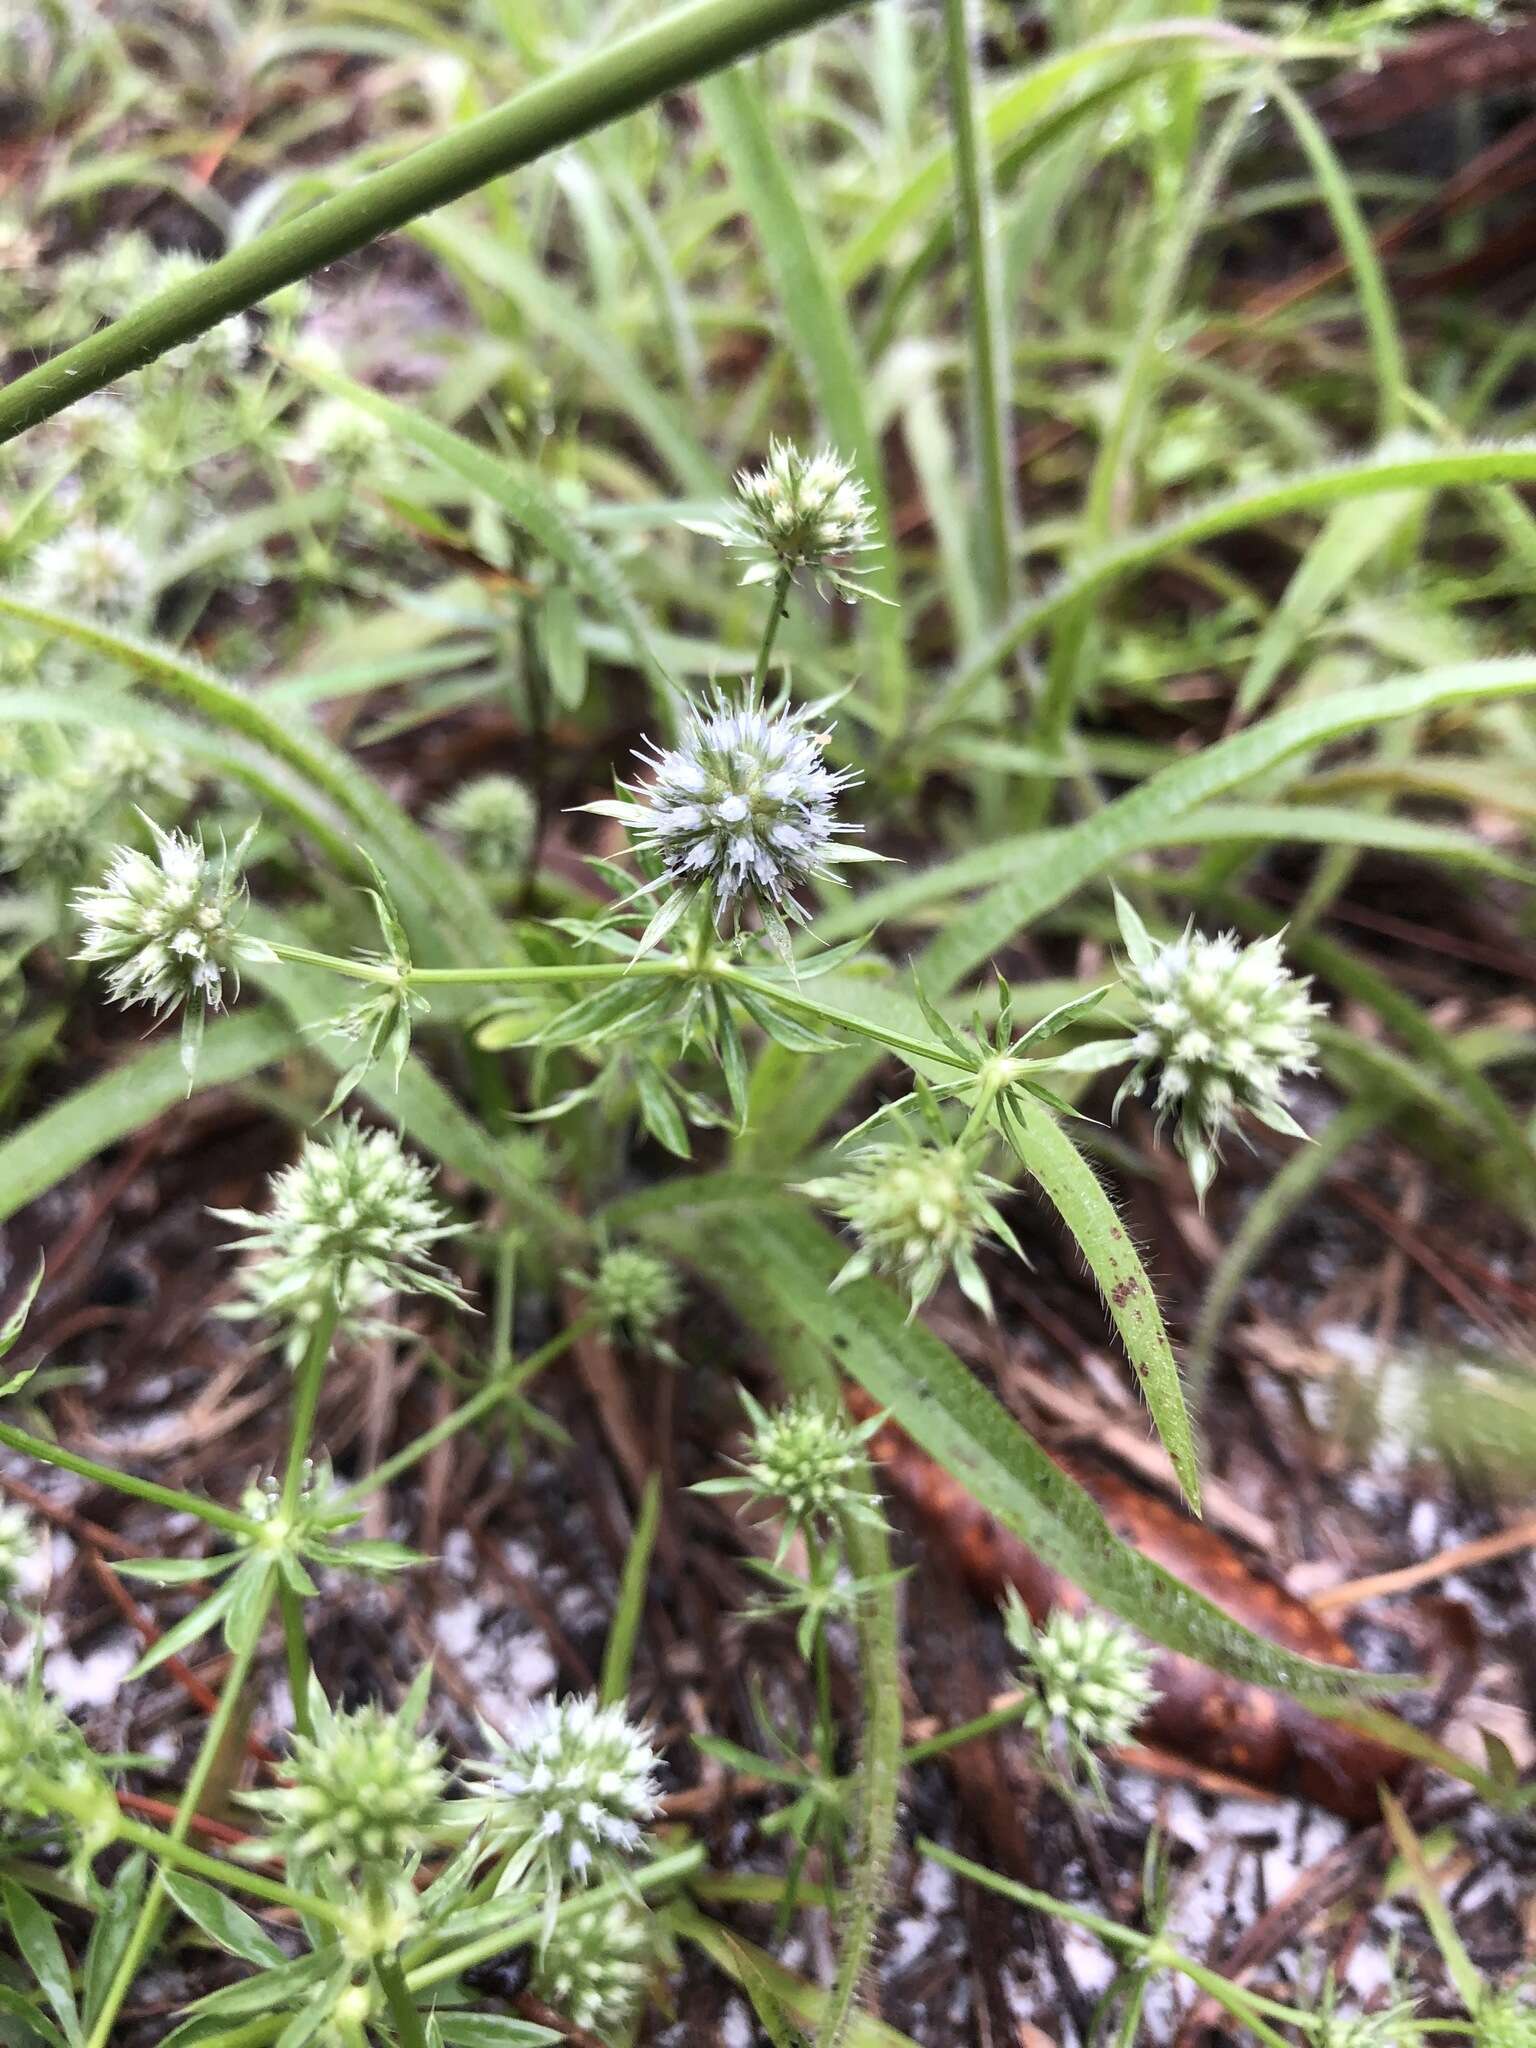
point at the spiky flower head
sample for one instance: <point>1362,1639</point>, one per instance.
<point>46,824</point>
<point>340,438</point>
<point>1089,1679</point>
<point>742,809</point>
<point>571,1793</point>
<point>353,1203</point>
<point>18,1547</point>
<point>166,925</point>
<point>366,1789</point>
<point>493,819</point>
<point>635,1295</point>
<point>1506,2019</point>
<point>592,1969</point>
<point>806,1459</point>
<point>295,1293</point>
<point>47,1771</point>
<point>1223,1025</point>
<point>93,569</point>
<point>918,1211</point>
<point>799,512</point>
<point>118,766</point>
<point>220,350</point>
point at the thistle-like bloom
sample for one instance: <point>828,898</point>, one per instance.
<point>339,437</point>
<point>807,1460</point>
<point>798,512</point>
<point>493,819</point>
<point>166,925</point>
<point>592,1969</point>
<point>92,569</point>
<point>918,1210</point>
<point>45,824</point>
<point>18,1547</point>
<point>570,1795</point>
<point>742,808</point>
<point>635,1295</point>
<point>1225,1025</point>
<point>365,1791</point>
<point>1089,1679</point>
<point>47,1770</point>
<point>118,766</point>
<point>352,1204</point>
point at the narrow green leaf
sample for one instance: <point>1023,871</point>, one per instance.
<point>1048,1154</point>
<point>629,1610</point>
<point>774,1264</point>
<point>222,1920</point>
<point>42,1951</point>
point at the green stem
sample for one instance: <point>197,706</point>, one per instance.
<point>527,1926</point>
<point>988,360</point>
<point>402,2007</point>
<point>147,1924</point>
<point>309,1381</point>
<point>182,1856</point>
<point>290,1605</point>
<point>168,1497</point>
<point>968,1731</point>
<point>503,1388</point>
<point>306,1402</point>
<point>781,584</point>
<point>615,79</point>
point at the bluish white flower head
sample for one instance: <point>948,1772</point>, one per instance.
<point>743,806</point>
<point>571,1794</point>
<point>97,570</point>
<point>593,1967</point>
<point>1222,1026</point>
<point>165,922</point>
<point>799,512</point>
<point>354,1215</point>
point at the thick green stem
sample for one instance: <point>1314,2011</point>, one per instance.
<point>290,1605</point>
<point>989,379</point>
<point>402,2007</point>
<point>306,1405</point>
<point>148,1922</point>
<point>182,1856</point>
<point>781,584</point>
<point>617,78</point>
<point>168,1497</point>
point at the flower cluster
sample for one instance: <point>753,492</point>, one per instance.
<point>45,824</point>
<point>493,819</point>
<point>47,1770</point>
<point>571,1793</point>
<point>365,1790</point>
<point>742,808</point>
<point>91,569</point>
<point>340,438</point>
<point>1088,1678</point>
<point>1223,1024</point>
<point>635,1295</point>
<point>806,1459</point>
<point>353,1218</point>
<point>165,922</point>
<point>917,1210</point>
<point>798,512</point>
<point>593,1967</point>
